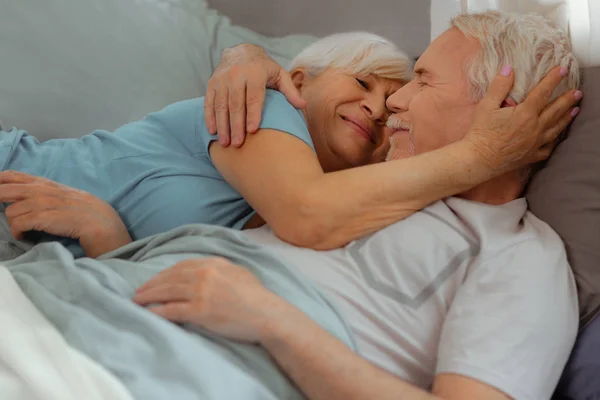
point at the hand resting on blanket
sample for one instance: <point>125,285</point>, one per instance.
<point>39,204</point>
<point>214,294</point>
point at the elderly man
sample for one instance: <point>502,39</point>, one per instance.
<point>471,298</point>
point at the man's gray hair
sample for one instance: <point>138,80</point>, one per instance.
<point>356,53</point>
<point>528,42</point>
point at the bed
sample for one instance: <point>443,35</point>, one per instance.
<point>71,67</point>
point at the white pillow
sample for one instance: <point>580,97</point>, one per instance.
<point>71,66</point>
<point>581,18</point>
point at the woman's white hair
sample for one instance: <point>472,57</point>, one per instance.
<point>355,53</point>
<point>528,42</point>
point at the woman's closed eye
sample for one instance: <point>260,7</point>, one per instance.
<point>362,83</point>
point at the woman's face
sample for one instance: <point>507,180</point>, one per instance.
<point>346,117</point>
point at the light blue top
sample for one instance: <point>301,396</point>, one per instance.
<point>156,172</point>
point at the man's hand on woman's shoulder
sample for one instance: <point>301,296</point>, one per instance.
<point>39,204</point>
<point>236,92</point>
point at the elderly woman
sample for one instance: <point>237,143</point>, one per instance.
<point>166,170</point>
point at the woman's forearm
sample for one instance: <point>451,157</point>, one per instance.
<point>345,205</point>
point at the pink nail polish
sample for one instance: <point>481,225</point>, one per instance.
<point>564,71</point>
<point>578,95</point>
<point>574,112</point>
<point>506,70</point>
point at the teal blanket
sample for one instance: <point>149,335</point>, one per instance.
<point>89,301</point>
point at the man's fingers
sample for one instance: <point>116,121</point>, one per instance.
<point>167,292</point>
<point>237,112</point>
<point>499,89</point>
<point>174,312</point>
<point>560,106</point>
<point>540,96</point>
<point>255,100</point>
<point>286,86</point>
<point>177,272</point>
<point>209,111</point>
<point>158,280</point>
<point>222,115</point>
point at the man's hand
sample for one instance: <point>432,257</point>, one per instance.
<point>236,92</point>
<point>214,294</point>
<point>509,138</point>
<point>43,205</point>
<point>226,299</point>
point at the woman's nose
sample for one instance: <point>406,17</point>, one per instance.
<point>376,111</point>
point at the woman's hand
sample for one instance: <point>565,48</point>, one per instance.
<point>214,294</point>
<point>43,205</point>
<point>512,137</point>
<point>236,92</point>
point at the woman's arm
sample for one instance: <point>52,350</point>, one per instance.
<point>281,178</point>
<point>39,204</point>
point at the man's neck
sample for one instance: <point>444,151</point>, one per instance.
<point>498,191</point>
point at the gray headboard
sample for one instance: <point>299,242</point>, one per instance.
<point>405,22</point>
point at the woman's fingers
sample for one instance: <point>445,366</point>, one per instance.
<point>18,177</point>
<point>498,90</point>
<point>12,192</point>
<point>539,97</point>
<point>561,106</point>
<point>552,133</point>
<point>51,221</point>
<point>22,207</point>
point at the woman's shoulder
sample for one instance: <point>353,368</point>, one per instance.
<point>273,98</point>
<point>279,114</point>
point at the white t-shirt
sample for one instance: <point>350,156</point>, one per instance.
<point>460,287</point>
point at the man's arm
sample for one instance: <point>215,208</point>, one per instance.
<point>228,300</point>
<point>324,368</point>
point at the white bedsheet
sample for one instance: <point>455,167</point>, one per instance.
<point>37,364</point>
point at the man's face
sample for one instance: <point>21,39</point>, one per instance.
<point>435,108</point>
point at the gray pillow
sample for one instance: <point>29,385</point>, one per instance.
<point>566,195</point>
<point>580,378</point>
<point>73,66</point>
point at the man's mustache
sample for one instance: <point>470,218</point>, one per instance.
<point>397,123</point>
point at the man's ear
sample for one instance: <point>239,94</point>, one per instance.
<point>299,78</point>
<point>509,103</point>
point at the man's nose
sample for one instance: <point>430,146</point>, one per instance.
<point>400,100</point>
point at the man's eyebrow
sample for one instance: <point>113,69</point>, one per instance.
<point>420,72</point>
